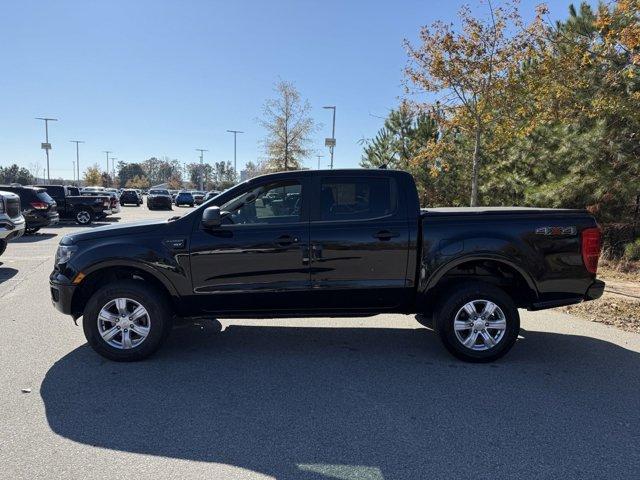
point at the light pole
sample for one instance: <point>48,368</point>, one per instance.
<point>201,150</point>
<point>319,157</point>
<point>331,142</point>
<point>113,169</point>
<point>73,170</point>
<point>47,146</point>
<point>107,152</point>
<point>235,134</point>
<point>77,157</point>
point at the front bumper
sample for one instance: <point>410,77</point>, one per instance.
<point>61,292</point>
<point>595,291</point>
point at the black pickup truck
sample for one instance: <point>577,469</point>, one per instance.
<point>340,243</point>
<point>71,204</point>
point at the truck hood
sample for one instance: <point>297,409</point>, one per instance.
<point>113,231</point>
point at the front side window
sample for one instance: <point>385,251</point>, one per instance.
<point>278,202</point>
<point>357,198</point>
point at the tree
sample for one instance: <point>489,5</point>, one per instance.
<point>224,176</point>
<point>138,182</point>
<point>127,171</point>
<point>289,128</point>
<point>195,171</point>
<point>399,144</point>
<point>92,176</point>
<point>15,174</point>
<point>105,179</point>
<point>469,69</point>
<point>160,170</point>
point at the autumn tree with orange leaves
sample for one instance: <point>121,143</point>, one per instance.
<point>468,69</point>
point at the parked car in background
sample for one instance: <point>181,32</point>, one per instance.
<point>114,202</point>
<point>342,243</point>
<point>93,189</point>
<point>210,195</point>
<point>174,194</point>
<point>184,198</point>
<point>130,196</point>
<point>114,191</point>
<point>158,199</point>
<point>81,208</point>
<point>12,223</point>
<point>38,208</point>
<point>198,196</point>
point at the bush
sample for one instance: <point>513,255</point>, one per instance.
<point>632,250</point>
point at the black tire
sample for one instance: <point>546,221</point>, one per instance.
<point>451,306</point>
<point>83,216</point>
<point>31,231</point>
<point>160,319</point>
<point>3,246</point>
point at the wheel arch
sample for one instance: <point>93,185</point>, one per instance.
<point>492,269</point>
<point>113,271</point>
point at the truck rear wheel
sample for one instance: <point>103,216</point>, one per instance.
<point>477,322</point>
<point>126,321</point>
<point>3,246</point>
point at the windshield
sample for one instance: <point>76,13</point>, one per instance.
<point>159,192</point>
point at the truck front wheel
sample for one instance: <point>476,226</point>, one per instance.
<point>126,321</point>
<point>477,322</point>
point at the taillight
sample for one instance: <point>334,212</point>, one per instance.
<point>591,242</point>
<point>39,205</point>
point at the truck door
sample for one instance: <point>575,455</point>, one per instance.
<point>359,242</point>
<point>258,258</point>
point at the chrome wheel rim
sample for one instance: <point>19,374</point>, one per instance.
<point>480,325</point>
<point>124,323</point>
<point>83,217</point>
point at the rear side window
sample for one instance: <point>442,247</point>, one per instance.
<point>44,196</point>
<point>357,198</point>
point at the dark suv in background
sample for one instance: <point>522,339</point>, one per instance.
<point>130,196</point>
<point>38,208</point>
<point>185,198</point>
<point>159,198</point>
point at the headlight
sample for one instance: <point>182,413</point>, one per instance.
<point>64,253</point>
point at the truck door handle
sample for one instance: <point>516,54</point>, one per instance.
<point>286,240</point>
<point>385,235</point>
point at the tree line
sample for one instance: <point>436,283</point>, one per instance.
<point>156,171</point>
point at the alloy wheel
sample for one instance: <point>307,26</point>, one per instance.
<point>83,217</point>
<point>480,325</point>
<point>124,323</point>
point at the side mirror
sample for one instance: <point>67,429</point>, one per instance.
<point>211,217</point>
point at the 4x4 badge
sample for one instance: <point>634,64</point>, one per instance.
<point>556,230</point>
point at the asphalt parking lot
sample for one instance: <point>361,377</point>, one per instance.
<point>367,398</point>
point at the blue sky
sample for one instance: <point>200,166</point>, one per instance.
<point>154,78</point>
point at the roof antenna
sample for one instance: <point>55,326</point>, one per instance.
<point>383,166</point>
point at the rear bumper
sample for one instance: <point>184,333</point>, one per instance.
<point>37,220</point>
<point>595,290</point>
